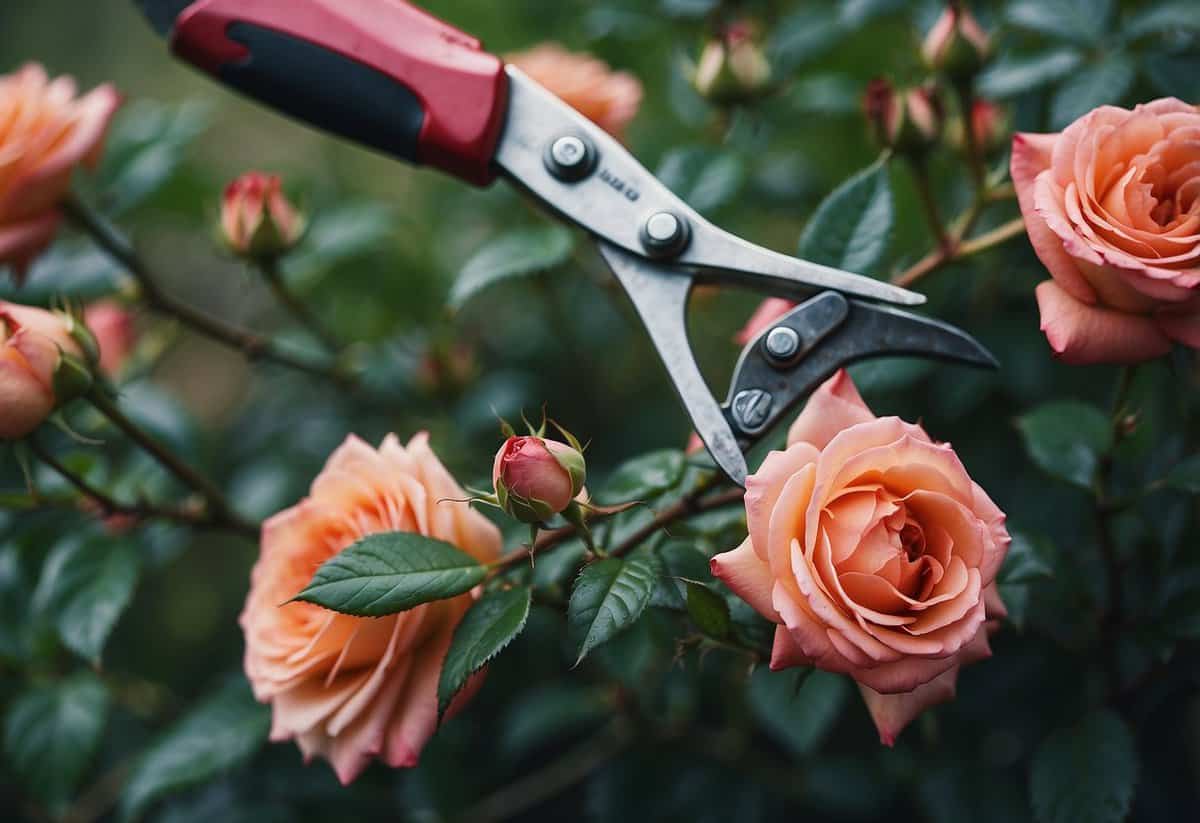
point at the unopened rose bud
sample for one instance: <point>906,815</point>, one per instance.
<point>733,68</point>
<point>990,126</point>
<point>956,45</point>
<point>258,222</point>
<point>42,366</point>
<point>535,478</point>
<point>115,333</point>
<point>908,121</point>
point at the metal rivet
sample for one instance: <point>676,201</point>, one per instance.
<point>782,344</point>
<point>751,408</point>
<point>570,158</point>
<point>665,234</point>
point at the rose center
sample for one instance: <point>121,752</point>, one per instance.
<point>912,540</point>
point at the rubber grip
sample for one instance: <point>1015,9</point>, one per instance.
<point>380,72</point>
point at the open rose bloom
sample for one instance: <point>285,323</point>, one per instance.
<point>608,98</point>
<point>346,688</point>
<point>1112,206</point>
<point>874,552</point>
<point>45,133</point>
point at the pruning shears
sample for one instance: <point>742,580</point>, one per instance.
<point>391,77</point>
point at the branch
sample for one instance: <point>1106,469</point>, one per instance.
<point>253,346</point>
<point>298,309</point>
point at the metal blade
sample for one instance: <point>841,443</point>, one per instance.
<point>787,361</point>
<point>162,14</point>
<point>660,295</point>
<point>616,196</point>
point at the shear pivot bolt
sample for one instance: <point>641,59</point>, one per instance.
<point>665,234</point>
<point>570,158</point>
<point>751,408</point>
<point>782,344</point>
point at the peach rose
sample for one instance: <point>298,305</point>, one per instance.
<point>32,343</point>
<point>350,689</point>
<point>608,98</point>
<point>45,132</point>
<point>112,326</point>
<point>1112,207</point>
<point>874,552</point>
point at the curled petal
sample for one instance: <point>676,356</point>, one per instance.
<point>1081,334</point>
<point>749,576</point>
<point>833,407</point>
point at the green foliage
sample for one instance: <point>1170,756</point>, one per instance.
<point>704,178</point>
<point>609,596</point>
<point>1081,21</point>
<point>520,253</point>
<point>488,627</point>
<point>85,586</point>
<point>644,477</point>
<point>1067,440</point>
<point>708,610</point>
<point>1186,476</point>
<point>52,732</point>
<point>219,734</point>
<point>391,572</point>
<point>852,228</point>
<point>1085,772</point>
<point>1094,85</point>
<point>797,708</point>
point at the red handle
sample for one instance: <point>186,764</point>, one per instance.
<point>378,71</point>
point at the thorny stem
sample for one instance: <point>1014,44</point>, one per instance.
<point>218,507</point>
<point>185,515</point>
<point>253,346</point>
<point>269,268</point>
<point>933,214</point>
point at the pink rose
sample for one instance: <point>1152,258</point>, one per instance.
<point>112,325</point>
<point>32,344</point>
<point>608,98</point>
<point>874,552</point>
<point>257,219</point>
<point>350,689</point>
<point>535,479</point>
<point>45,132</point>
<point>1112,207</point>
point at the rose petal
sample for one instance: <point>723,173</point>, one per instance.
<point>1081,334</point>
<point>834,406</point>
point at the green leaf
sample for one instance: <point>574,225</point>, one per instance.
<point>485,631</point>
<point>1079,21</point>
<point>681,561</point>
<point>704,178</point>
<point>1029,558</point>
<point>1085,772</point>
<point>51,733</point>
<point>339,235</point>
<point>1162,18</point>
<point>1095,85</point>
<point>644,477</point>
<point>801,36</point>
<point>852,228</point>
<point>708,610</point>
<point>215,737</point>
<point>609,596</point>
<point>517,254</point>
<point>1010,75</point>
<point>1174,75</point>
<point>798,719</point>
<point>1066,440</point>
<point>145,149</point>
<point>387,573</point>
<point>1186,476</point>
<point>85,586</point>
<point>826,93</point>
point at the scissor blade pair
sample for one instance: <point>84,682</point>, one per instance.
<point>162,14</point>
<point>791,358</point>
<point>606,191</point>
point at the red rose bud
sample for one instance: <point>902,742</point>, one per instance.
<point>733,67</point>
<point>257,220</point>
<point>956,45</point>
<point>535,478</point>
<point>908,121</point>
<point>990,125</point>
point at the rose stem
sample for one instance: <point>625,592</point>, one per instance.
<point>139,511</point>
<point>252,345</point>
<point>219,508</point>
<point>933,214</point>
<point>270,271</point>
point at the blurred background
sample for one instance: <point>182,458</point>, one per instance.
<point>386,246</point>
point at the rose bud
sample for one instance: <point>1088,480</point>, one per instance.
<point>733,68</point>
<point>956,45</point>
<point>47,132</point>
<point>112,325</point>
<point>989,126</point>
<point>258,222</point>
<point>535,478</point>
<point>42,366</point>
<point>907,121</point>
<point>608,98</point>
